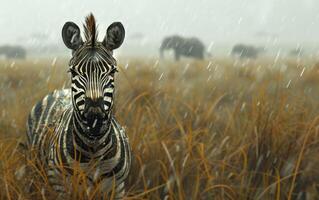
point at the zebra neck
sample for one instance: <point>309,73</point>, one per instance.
<point>89,141</point>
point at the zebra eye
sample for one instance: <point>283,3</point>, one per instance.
<point>72,71</point>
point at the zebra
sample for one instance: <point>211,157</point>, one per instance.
<point>76,126</point>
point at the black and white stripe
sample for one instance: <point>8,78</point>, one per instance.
<point>76,126</point>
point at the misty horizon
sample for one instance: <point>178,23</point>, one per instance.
<point>291,23</point>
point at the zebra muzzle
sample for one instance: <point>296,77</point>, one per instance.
<point>94,108</point>
<point>95,112</point>
<point>94,117</point>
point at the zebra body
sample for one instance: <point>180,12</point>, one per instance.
<point>76,128</point>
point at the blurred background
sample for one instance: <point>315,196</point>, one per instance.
<point>280,26</point>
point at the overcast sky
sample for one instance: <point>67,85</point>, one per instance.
<point>295,21</point>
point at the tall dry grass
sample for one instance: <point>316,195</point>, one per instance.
<point>218,129</point>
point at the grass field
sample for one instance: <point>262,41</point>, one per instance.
<point>217,129</point>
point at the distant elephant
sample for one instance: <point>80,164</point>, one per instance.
<point>246,51</point>
<point>188,47</point>
<point>10,52</point>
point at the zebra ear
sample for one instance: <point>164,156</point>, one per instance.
<point>115,34</point>
<point>71,35</point>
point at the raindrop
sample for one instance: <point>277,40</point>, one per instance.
<point>12,64</point>
<point>240,20</point>
<point>243,106</point>
<point>161,76</point>
<point>155,64</point>
<point>210,46</point>
<point>209,64</point>
<point>53,61</point>
<point>277,56</point>
<point>288,84</point>
<point>185,115</point>
<point>303,70</point>
<point>186,68</point>
<point>258,68</point>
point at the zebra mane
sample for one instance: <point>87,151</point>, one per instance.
<point>90,31</point>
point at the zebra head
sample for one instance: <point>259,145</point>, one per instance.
<point>92,69</point>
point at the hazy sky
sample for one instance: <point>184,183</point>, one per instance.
<point>294,21</point>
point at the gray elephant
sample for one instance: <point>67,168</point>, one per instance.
<point>246,51</point>
<point>13,52</point>
<point>188,47</point>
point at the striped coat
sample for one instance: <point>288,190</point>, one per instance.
<point>50,134</point>
<point>73,131</point>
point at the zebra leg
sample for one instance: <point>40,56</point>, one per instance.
<point>116,193</point>
<point>55,179</point>
<point>119,191</point>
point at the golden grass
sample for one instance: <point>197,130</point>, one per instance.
<point>218,129</point>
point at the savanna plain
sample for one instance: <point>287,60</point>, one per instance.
<point>213,129</point>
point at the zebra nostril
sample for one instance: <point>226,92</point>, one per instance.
<point>93,106</point>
